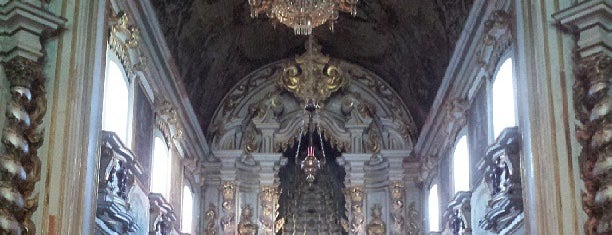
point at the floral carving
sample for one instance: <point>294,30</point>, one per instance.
<point>211,218</point>
<point>397,207</point>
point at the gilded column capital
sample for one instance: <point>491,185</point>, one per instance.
<point>21,71</point>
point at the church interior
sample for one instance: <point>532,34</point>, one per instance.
<point>399,117</point>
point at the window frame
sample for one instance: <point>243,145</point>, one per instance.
<point>113,58</point>
<point>190,189</point>
<point>168,187</point>
<point>429,215</point>
<point>491,119</point>
<point>462,134</point>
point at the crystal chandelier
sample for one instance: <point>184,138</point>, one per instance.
<point>303,15</point>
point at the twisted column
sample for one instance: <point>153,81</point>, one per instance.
<point>21,138</point>
<point>593,108</point>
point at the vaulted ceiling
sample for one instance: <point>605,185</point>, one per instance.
<point>408,43</point>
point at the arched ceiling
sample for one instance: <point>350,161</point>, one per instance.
<point>408,43</point>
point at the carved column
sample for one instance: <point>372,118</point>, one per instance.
<point>211,220</point>
<point>590,22</point>
<point>269,202</point>
<point>397,207</point>
<point>355,196</point>
<point>22,26</point>
<point>228,193</point>
<point>21,137</point>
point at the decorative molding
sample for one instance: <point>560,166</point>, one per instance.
<point>228,193</point>
<point>589,21</point>
<point>501,166</point>
<point>118,172</point>
<point>459,213</point>
<point>162,216</point>
<point>246,225</point>
<point>397,207</point>
<point>496,40</point>
<point>376,226</point>
<point>124,41</point>
<point>211,220</point>
<point>166,120</point>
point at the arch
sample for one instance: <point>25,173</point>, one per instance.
<point>365,112</point>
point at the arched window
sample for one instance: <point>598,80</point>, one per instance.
<point>503,99</point>
<point>160,170</point>
<point>434,209</point>
<point>116,101</point>
<point>461,165</point>
<point>187,210</point>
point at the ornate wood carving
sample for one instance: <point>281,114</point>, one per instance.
<point>312,76</point>
<point>22,137</point>
<point>588,22</point>
<point>162,217</point>
<point>166,120</point>
<point>246,225</point>
<point>413,225</point>
<point>269,203</point>
<point>124,40</point>
<point>397,207</point>
<point>593,100</point>
<point>118,170</point>
<point>376,226</point>
<point>356,196</point>
<point>228,192</point>
<point>211,220</point>
<point>459,213</point>
<point>496,40</point>
<point>501,167</point>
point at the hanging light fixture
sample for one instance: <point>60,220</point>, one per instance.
<point>311,164</point>
<point>303,15</point>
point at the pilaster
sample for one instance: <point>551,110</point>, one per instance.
<point>545,104</point>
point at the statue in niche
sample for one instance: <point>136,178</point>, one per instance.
<point>246,225</point>
<point>377,226</point>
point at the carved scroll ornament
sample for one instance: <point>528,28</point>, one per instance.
<point>22,137</point>
<point>312,76</point>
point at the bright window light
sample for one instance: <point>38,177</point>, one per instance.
<point>187,210</point>
<point>434,210</point>
<point>503,99</point>
<point>115,102</point>
<point>461,165</point>
<point>160,171</point>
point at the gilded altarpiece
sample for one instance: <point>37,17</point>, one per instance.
<point>362,123</point>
